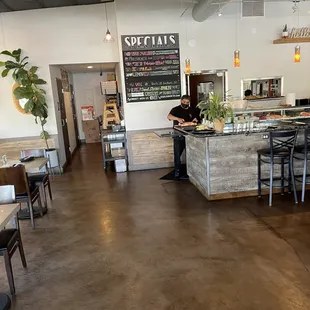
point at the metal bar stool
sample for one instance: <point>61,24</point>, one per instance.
<point>280,152</point>
<point>302,152</point>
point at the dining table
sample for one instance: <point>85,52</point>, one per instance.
<point>31,167</point>
<point>7,213</point>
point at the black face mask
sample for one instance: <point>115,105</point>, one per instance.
<point>185,106</point>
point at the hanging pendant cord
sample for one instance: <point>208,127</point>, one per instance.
<point>106,15</point>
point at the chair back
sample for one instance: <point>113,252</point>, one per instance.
<point>282,140</point>
<point>17,177</point>
<point>7,194</point>
<point>35,153</point>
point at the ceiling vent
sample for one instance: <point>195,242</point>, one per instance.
<point>253,8</point>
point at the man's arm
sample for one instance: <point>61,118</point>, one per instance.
<point>174,118</point>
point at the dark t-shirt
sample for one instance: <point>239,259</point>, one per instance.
<point>187,114</point>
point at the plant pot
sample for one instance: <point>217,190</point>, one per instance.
<point>219,125</point>
<point>285,34</point>
<point>53,157</point>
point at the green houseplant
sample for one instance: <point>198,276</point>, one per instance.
<point>28,83</point>
<point>215,111</point>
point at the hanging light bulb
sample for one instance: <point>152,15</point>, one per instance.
<point>219,12</point>
<point>297,54</point>
<point>236,59</point>
<point>108,37</point>
<point>187,66</point>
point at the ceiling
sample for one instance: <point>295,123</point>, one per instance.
<point>96,67</point>
<point>21,5</point>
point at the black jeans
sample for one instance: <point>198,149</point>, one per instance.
<point>178,148</point>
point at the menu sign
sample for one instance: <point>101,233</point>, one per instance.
<point>152,67</point>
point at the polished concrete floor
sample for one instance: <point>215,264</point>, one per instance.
<point>130,241</point>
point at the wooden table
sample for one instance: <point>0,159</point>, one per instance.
<point>7,213</point>
<point>33,166</point>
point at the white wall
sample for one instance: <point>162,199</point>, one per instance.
<point>51,36</point>
<point>75,35</point>
<point>215,40</point>
<point>88,92</point>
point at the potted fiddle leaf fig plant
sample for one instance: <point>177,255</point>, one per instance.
<point>216,111</point>
<point>27,88</point>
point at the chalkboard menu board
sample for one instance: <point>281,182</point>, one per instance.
<point>152,67</point>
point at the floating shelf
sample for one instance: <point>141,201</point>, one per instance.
<point>291,40</point>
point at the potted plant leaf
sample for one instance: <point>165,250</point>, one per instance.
<point>27,88</point>
<point>216,111</point>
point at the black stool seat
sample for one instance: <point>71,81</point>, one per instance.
<point>276,153</point>
<point>5,301</point>
<point>38,178</point>
<point>34,190</point>
<point>301,148</point>
<point>6,238</point>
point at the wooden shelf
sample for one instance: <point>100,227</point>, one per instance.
<point>291,40</point>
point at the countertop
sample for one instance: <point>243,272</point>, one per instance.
<point>275,126</point>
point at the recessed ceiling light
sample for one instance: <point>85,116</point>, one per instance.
<point>89,67</point>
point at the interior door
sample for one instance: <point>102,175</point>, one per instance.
<point>74,115</point>
<point>63,120</point>
<point>201,84</point>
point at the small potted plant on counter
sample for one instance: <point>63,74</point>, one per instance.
<point>216,111</point>
<point>285,32</point>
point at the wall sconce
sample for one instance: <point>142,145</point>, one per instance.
<point>236,59</point>
<point>187,66</point>
<point>297,54</point>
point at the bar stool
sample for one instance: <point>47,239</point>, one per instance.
<point>302,152</point>
<point>280,152</point>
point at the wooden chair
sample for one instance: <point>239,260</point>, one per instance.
<point>24,192</point>
<point>10,239</point>
<point>41,178</point>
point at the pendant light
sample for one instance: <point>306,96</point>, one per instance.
<point>297,54</point>
<point>297,47</point>
<point>236,59</point>
<point>187,66</point>
<point>108,37</point>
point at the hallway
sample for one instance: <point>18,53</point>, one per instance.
<point>130,241</point>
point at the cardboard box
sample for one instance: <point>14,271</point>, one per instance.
<point>92,131</point>
<point>120,165</point>
<point>111,76</point>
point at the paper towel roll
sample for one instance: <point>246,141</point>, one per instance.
<point>291,99</point>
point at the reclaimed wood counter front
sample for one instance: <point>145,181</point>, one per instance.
<point>146,150</point>
<point>225,166</point>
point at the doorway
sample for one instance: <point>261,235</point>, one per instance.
<point>200,84</point>
<point>63,116</point>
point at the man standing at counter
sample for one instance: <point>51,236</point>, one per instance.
<point>182,114</point>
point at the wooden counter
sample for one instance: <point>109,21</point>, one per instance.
<point>226,166</point>
<point>146,150</point>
